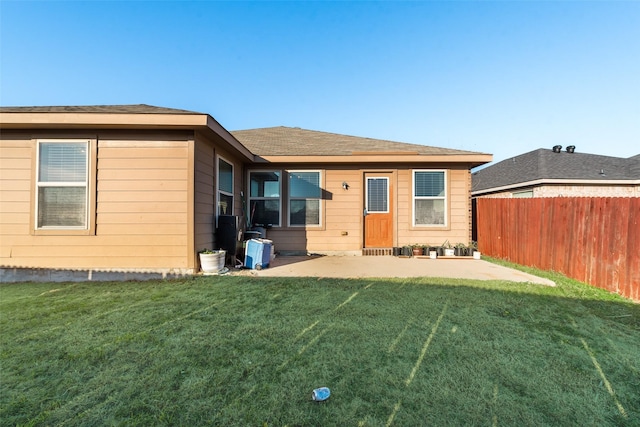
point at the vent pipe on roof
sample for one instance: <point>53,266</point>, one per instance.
<point>557,148</point>
<point>571,148</point>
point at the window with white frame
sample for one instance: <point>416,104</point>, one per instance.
<point>264,197</point>
<point>62,184</point>
<point>225,187</point>
<point>305,193</point>
<point>522,194</point>
<point>429,198</point>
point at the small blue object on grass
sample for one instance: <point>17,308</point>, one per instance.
<point>320,394</point>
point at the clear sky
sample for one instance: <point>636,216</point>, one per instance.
<point>496,77</point>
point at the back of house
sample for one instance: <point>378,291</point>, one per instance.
<point>133,191</point>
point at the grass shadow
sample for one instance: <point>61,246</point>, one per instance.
<point>249,350</point>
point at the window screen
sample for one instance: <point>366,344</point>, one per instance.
<point>225,187</point>
<point>429,198</point>
<point>429,184</point>
<point>264,197</point>
<point>305,193</point>
<point>62,185</point>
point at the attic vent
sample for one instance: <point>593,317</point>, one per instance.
<point>571,148</point>
<point>557,148</point>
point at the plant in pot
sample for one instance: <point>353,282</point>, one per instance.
<point>460,249</point>
<point>431,251</point>
<point>416,250</point>
<point>473,248</point>
<point>448,249</point>
<point>212,260</point>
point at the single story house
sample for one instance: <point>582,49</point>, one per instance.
<point>97,190</point>
<point>559,173</point>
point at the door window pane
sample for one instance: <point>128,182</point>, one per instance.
<point>377,195</point>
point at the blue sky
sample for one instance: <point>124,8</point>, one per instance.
<point>498,77</point>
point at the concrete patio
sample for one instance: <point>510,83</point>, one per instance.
<point>389,266</point>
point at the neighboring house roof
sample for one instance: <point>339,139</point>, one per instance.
<point>546,166</point>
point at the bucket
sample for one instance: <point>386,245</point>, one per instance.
<point>212,263</point>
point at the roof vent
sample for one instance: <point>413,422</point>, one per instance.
<point>571,148</point>
<point>557,148</point>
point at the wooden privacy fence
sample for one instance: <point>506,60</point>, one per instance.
<point>591,239</point>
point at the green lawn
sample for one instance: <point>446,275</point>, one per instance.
<point>248,351</point>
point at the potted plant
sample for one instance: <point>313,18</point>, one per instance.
<point>460,249</point>
<point>473,247</point>
<point>448,249</point>
<point>212,261</point>
<point>432,251</point>
<point>416,250</point>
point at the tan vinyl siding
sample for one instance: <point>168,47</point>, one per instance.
<point>458,227</point>
<point>142,206</point>
<point>204,220</point>
<point>205,163</point>
<point>342,226</point>
<point>15,191</point>
<point>128,213</point>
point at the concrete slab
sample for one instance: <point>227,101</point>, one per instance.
<point>389,266</point>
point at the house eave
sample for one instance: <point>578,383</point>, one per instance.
<point>548,181</point>
<point>472,160</point>
<point>69,120</point>
<point>214,126</point>
<point>98,120</point>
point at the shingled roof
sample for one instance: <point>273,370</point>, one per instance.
<point>545,164</point>
<point>103,109</point>
<point>284,142</point>
<point>287,141</point>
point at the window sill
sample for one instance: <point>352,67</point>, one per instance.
<point>62,232</point>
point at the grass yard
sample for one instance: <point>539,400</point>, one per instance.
<point>248,351</point>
